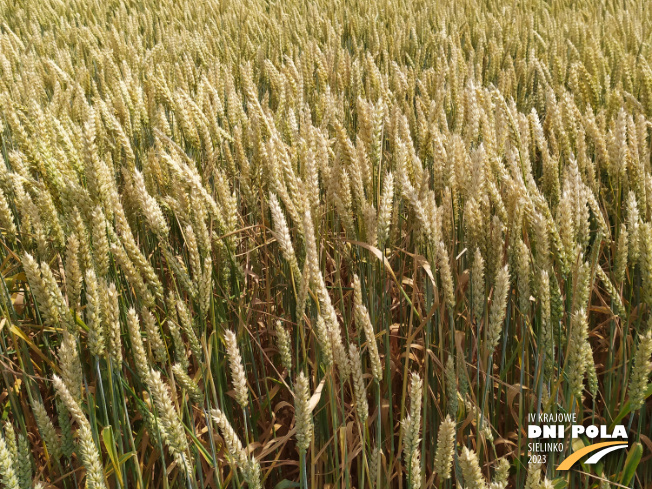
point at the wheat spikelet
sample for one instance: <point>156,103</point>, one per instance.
<point>7,463</point>
<point>73,272</point>
<point>38,287</point>
<point>93,315</point>
<point>139,355</point>
<point>67,441</point>
<point>445,448</point>
<point>451,386</point>
<point>233,443</point>
<point>323,337</point>
<point>10,439</point>
<point>180,352</point>
<point>188,384</point>
<point>25,473</point>
<point>477,276</point>
<point>302,412</point>
<point>7,217</point>
<point>284,346</point>
<point>498,308</point>
<point>111,316</point>
<point>473,478</point>
<point>361,405</point>
<point>446,275</point>
<point>89,452</point>
<point>501,475</point>
<point>283,234</point>
<point>238,375</point>
<point>385,209</point>
<point>154,340</point>
<point>71,369</point>
<point>171,428</point>
<point>533,479</point>
<point>249,466</point>
<point>46,428</point>
<point>362,319</point>
<point>641,369</point>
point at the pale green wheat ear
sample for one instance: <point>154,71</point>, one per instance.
<point>90,455</point>
<point>249,466</point>
<point>71,369</point>
<point>284,346</point>
<point>25,460</point>
<point>478,285</point>
<point>10,439</point>
<point>6,216</point>
<point>445,448</point>
<point>304,423</point>
<point>363,320</point>
<point>451,386</point>
<point>641,369</point>
<point>238,375</point>
<point>7,466</point>
<point>46,429</point>
<point>498,308</point>
<point>188,383</point>
<point>360,390</point>
<point>154,339</point>
<point>533,479</point>
<point>93,315</point>
<point>473,478</point>
<point>501,476</point>
<point>411,429</point>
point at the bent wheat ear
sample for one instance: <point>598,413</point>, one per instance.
<point>188,384</point>
<point>248,465</point>
<point>362,319</point>
<point>233,443</point>
<point>283,234</point>
<point>89,452</point>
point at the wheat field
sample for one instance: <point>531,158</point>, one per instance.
<point>323,244</point>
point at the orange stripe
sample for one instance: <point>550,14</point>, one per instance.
<point>569,461</point>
